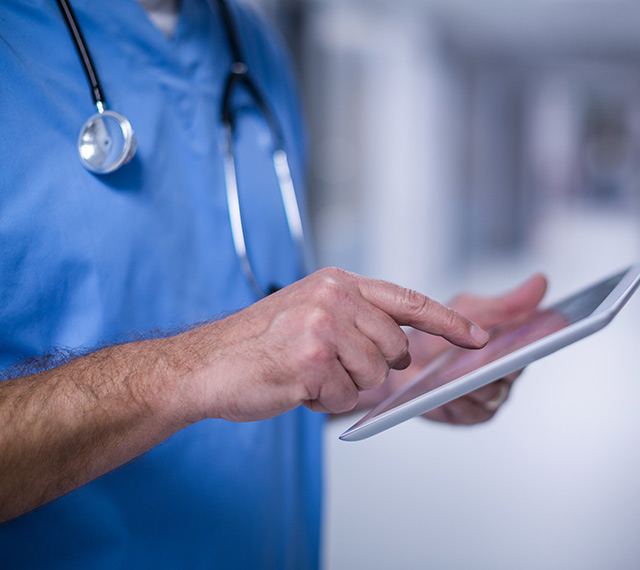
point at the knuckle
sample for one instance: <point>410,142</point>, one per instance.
<point>396,356</point>
<point>402,346</point>
<point>317,320</point>
<point>334,272</point>
<point>332,275</point>
<point>380,378</point>
<point>310,345</point>
<point>338,397</point>
<point>451,320</point>
<point>307,320</point>
<point>313,352</point>
<point>329,286</point>
<point>374,377</point>
<point>415,303</point>
<point>349,400</point>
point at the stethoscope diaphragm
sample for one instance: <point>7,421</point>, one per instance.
<point>106,142</point>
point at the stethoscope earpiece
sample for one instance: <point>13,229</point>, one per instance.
<point>106,142</point>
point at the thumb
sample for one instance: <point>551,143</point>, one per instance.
<point>493,310</point>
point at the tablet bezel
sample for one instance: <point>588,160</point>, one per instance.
<point>375,422</point>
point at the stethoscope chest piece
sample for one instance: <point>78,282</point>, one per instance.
<point>106,142</point>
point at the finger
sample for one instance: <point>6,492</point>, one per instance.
<point>462,411</point>
<point>337,395</point>
<point>385,333</point>
<point>477,406</point>
<point>511,378</point>
<point>492,396</point>
<point>403,363</point>
<point>491,311</point>
<point>408,307</point>
<point>337,358</point>
<point>362,359</point>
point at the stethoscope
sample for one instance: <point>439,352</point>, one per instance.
<point>107,141</point>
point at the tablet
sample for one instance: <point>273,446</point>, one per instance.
<point>512,345</point>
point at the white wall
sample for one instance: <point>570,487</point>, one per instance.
<point>551,482</point>
<point>381,138</point>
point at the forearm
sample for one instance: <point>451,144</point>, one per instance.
<point>66,426</point>
<point>318,342</point>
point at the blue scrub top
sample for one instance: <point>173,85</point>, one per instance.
<point>87,260</point>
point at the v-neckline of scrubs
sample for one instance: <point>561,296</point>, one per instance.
<point>179,21</point>
<point>180,28</point>
<point>184,49</point>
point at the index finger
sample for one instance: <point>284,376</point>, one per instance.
<point>408,307</point>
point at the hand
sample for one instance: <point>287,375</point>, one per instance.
<point>482,404</point>
<point>318,342</point>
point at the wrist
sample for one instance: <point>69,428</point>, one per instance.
<point>163,381</point>
<point>185,365</point>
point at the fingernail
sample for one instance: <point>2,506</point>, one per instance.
<point>479,335</point>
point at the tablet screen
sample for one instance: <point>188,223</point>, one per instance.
<point>504,339</point>
<point>511,346</point>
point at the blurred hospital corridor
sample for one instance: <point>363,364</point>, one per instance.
<point>462,146</point>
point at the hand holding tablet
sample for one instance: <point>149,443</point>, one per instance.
<point>512,346</point>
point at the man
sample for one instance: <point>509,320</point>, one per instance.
<point>149,452</point>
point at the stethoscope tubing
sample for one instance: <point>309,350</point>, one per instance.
<point>238,75</point>
<point>83,52</point>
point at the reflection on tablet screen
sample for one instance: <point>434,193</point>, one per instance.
<point>505,339</point>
